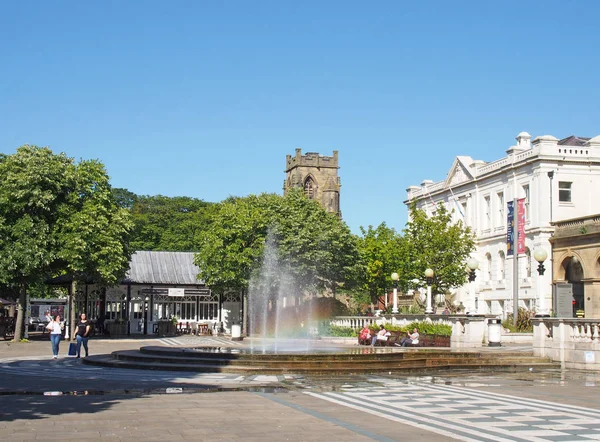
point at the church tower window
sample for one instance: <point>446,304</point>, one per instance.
<point>309,188</point>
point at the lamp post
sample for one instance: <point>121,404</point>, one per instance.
<point>395,278</point>
<point>473,265</point>
<point>429,277</point>
<point>540,256</point>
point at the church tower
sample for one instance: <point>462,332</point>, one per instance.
<point>317,175</point>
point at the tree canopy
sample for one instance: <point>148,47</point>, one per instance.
<point>438,243</point>
<point>165,223</point>
<point>316,247</point>
<point>382,252</point>
<point>56,217</point>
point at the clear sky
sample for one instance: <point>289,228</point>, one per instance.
<point>205,99</point>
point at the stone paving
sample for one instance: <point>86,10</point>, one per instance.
<point>124,404</point>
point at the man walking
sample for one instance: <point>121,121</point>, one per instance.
<point>82,335</point>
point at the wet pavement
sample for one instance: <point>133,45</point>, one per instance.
<point>43,398</point>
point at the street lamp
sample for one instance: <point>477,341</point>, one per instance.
<point>429,277</point>
<point>395,278</point>
<point>540,256</point>
<point>473,265</point>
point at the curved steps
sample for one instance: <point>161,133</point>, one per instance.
<point>182,359</point>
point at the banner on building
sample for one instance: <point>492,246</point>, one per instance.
<point>521,227</point>
<point>510,228</point>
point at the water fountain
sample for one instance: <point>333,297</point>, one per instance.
<point>277,321</point>
<point>280,341</point>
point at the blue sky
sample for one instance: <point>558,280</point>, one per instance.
<point>205,99</point>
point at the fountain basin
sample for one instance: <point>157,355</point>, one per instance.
<point>332,361</point>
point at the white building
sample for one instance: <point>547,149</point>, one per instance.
<point>559,179</point>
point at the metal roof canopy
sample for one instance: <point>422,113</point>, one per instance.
<point>153,268</point>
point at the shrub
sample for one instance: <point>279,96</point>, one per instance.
<point>337,331</point>
<point>524,324</point>
<point>429,328</point>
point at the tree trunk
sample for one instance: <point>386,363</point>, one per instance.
<point>21,308</point>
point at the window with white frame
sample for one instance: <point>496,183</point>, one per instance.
<point>488,270</point>
<point>527,262</point>
<point>500,203</point>
<point>564,191</point>
<point>487,207</point>
<point>501,264</point>
<point>527,200</point>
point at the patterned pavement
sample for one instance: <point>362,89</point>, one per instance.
<point>469,414</point>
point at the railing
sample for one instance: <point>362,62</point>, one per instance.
<point>577,225</point>
<point>490,167</point>
<point>398,319</point>
<point>573,342</point>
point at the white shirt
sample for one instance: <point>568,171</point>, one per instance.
<point>54,328</point>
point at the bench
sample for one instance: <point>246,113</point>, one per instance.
<point>395,337</point>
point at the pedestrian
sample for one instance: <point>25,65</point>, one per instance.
<point>83,334</point>
<point>55,328</point>
<point>47,320</point>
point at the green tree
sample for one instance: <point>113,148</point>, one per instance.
<point>382,252</point>
<point>317,247</point>
<point>57,217</point>
<point>166,223</point>
<point>438,243</point>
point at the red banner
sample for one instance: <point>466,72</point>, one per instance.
<point>521,228</point>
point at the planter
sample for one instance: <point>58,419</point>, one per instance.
<point>114,330</point>
<point>166,328</point>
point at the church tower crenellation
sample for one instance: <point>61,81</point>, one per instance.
<point>317,175</point>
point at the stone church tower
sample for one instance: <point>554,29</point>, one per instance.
<point>317,175</point>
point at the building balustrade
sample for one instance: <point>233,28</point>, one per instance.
<point>573,342</point>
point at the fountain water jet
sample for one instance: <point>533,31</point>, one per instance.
<point>274,313</point>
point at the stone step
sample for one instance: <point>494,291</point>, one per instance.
<point>379,359</point>
<point>378,362</point>
<point>108,361</point>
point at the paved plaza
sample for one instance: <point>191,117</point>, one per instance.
<point>41,398</point>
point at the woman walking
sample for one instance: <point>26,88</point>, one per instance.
<point>55,328</point>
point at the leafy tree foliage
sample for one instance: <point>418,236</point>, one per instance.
<point>57,217</point>
<point>382,252</point>
<point>166,223</point>
<point>437,243</point>
<point>316,247</point>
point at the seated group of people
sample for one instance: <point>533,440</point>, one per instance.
<point>383,335</point>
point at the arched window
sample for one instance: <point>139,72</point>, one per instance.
<point>488,269</point>
<point>309,188</point>
<point>501,263</point>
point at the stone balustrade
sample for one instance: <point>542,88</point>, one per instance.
<point>573,342</point>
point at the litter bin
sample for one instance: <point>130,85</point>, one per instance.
<point>494,332</point>
<point>236,332</point>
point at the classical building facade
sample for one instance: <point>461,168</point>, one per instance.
<point>576,261</point>
<point>317,175</point>
<point>556,178</point>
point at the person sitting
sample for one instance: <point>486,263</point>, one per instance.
<point>381,335</point>
<point>365,336</point>
<point>411,339</point>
